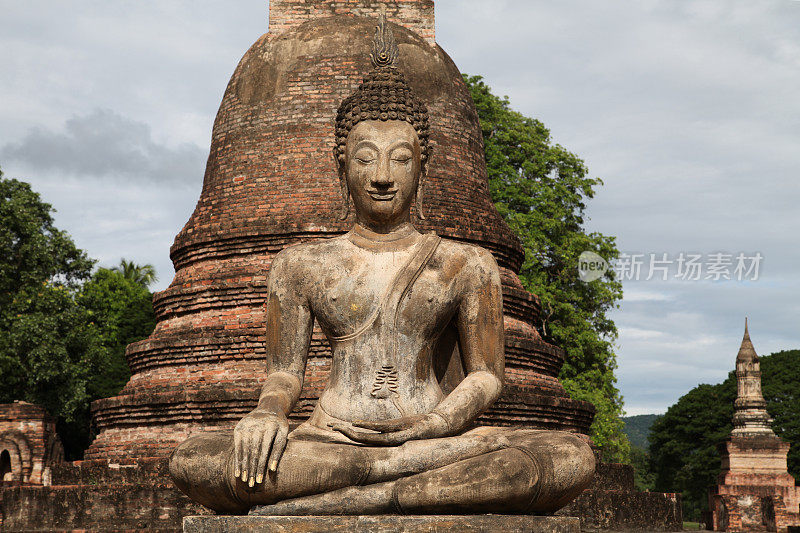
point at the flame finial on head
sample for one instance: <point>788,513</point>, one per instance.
<point>383,95</point>
<point>384,48</point>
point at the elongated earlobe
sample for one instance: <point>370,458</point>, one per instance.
<point>420,194</point>
<point>345,212</point>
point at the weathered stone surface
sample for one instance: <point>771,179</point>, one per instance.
<point>94,508</point>
<point>416,15</point>
<point>613,476</point>
<point>98,496</point>
<point>612,503</point>
<point>382,524</point>
<point>618,510</point>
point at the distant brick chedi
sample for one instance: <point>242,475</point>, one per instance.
<point>755,491</point>
<point>29,445</point>
<point>270,182</point>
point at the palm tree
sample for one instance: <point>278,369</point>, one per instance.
<point>141,274</point>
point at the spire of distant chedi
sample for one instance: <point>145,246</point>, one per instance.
<point>750,414</point>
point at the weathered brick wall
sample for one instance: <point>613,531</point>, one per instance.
<point>416,15</point>
<point>29,445</point>
<point>132,495</point>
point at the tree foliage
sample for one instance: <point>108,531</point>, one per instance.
<point>48,348</point>
<point>62,329</point>
<point>684,442</point>
<point>541,190</point>
<point>637,428</point>
<point>121,307</point>
<point>144,275</point>
<point>643,477</point>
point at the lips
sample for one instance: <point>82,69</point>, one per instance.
<point>382,196</point>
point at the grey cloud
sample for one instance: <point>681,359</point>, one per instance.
<point>691,335</point>
<point>104,144</point>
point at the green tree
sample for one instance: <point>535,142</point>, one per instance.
<point>32,250</point>
<point>144,275</point>
<point>643,478</point>
<point>63,331</point>
<point>121,308</point>
<point>541,189</point>
<point>49,349</point>
<point>684,442</point>
<point>637,428</point>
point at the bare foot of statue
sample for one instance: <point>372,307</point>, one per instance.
<point>415,326</point>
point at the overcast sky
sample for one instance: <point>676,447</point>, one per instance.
<point>688,110</point>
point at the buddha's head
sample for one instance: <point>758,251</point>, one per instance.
<point>381,148</point>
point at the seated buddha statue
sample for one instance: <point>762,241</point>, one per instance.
<point>387,435</point>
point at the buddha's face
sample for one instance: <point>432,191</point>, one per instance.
<point>382,166</point>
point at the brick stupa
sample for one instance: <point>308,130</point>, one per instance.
<point>270,182</point>
<point>29,445</point>
<point>755,491</point>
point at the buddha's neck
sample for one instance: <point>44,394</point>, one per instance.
<point>400,238</point>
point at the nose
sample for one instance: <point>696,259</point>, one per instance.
<point>383,175</point>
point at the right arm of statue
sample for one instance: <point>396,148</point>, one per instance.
<point>481,343</point>
<point>261,436</point>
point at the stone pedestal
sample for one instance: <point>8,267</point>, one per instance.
<point>382,524</point>
<point>612,503</point>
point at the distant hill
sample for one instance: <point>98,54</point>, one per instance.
<point>637,428</point>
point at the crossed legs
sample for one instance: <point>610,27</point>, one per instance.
<point>485,470</point>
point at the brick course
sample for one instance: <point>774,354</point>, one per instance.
<point>416,15</point>
<point>754,491</point>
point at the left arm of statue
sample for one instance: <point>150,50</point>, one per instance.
<point>481,342</point>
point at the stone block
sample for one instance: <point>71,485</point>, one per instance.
<point>626,510</point>
<point>382,524</point>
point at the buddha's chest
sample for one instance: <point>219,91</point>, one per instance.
<point>348,294</point>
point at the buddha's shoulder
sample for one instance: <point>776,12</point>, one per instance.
<point>466,259</point>
<point>312,251</point>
